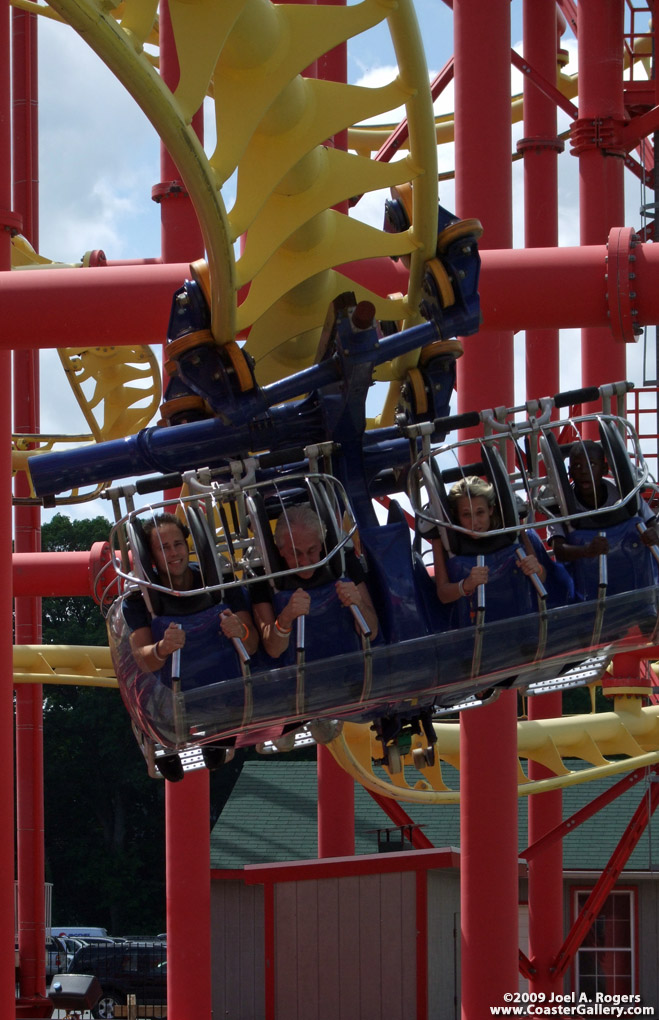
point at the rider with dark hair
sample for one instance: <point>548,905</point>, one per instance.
<point>201,625</point>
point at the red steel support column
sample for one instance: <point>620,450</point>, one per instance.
<point>601,159</point>
<point>29,729</point>
<point>7,975</point>
<point>25,122</point>
<point>541,148</point>
<point>545,871</point>
<point>180,234</point>
<point>336,808</point>
<point>336,789</point>
<point>488,736</point>
<point>187,825</point>
<point>27,523</point>
<point>482,125</point>
<point>188,881</point>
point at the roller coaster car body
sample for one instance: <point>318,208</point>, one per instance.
<point>434,671</point>
<point>420,663</point>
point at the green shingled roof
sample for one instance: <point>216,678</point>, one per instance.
<point>271,816</point>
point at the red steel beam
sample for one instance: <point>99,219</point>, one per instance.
<point>542,83</point>
<point>399,816</point>
<point>117,305</point>
<point>581,816</point>
<point>401,134</point>
<point>607,880</point>
<point>519,289</point>
<point>58,573</point>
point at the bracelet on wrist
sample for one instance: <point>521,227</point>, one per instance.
<point>157,654</point>
<point>245,631</point>
<point>461,588</point>
<point>283,631</point>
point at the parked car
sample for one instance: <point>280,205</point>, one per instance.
<point>80,932</point>
<point>125,968</point>
<point>57,959</point>
<point>72,946</point>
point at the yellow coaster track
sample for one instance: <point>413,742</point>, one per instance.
<point>272,129</point>
<point>631,730</point>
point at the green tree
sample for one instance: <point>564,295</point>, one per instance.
<point>73,620</point>
<point>104,816</point>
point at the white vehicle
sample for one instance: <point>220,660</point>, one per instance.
<point>80,932</point>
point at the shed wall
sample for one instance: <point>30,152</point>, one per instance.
<point>237,946</point>
<point>346,948</point>
<point>443,945</point>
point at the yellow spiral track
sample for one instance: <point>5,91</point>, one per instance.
<point>630,731</point>
<point>272,128</point>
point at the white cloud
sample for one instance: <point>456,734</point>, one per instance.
<point>98,156</point>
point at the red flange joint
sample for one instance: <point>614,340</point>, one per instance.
<point>620,284</point>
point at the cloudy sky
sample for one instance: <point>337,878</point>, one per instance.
<point>99,159</point>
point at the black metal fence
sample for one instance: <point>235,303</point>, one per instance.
<point>129,974</point>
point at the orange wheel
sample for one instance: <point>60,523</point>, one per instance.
<point>403,194</point>
<point>441,349</point>
<point>180,405</point>
<point>463,228</point>
<point>188,342</point>
<point>238,362</point>
<point>442,282</point>
<point>200,273</point>
<point>418,392</point>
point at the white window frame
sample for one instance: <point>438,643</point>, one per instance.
<point>630,893</point>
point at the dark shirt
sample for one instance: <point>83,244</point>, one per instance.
<point>262,591</point>
<point>136,612</point>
